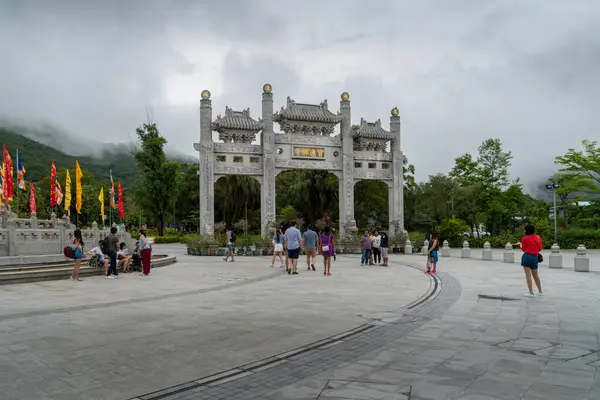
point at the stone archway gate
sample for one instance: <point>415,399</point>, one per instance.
<point>306,142</point>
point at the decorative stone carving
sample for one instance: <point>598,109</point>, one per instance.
<point>372,156</point>
<point>407,247</point>
<point>301,164</point>
<point>314,140</point>
<point>306,119</point>
<point>350,229</point>
<point>237,148</point>
<point>238,170</point>
<point>237,126</point>
<point>465,252</point>
<point>446,249</point>
<point>383,175</point>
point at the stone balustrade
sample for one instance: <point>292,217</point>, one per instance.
<point>33,236</point>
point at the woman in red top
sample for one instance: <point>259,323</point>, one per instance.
<point>531,244</point>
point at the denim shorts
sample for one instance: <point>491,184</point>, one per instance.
<point>434,254</point>
<point>529,260</point>
<point>230,247</point>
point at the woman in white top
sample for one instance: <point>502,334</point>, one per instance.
<point>146,253</point>
<point>376,248</point>
<point>277,247</point>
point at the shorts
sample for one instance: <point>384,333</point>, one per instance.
<point>294,254</point>
<point>529,261</point>
<point>278,248</point>
<point>434,254</point>
<point>384,252</point>
<point>311,252</point>
<point>230,247</point>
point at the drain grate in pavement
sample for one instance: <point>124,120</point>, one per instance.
<point>361,390</point>
<point>490,297</point>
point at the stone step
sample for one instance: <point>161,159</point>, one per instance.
<point>56,272</point>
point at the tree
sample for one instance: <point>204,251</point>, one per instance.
<point>583,164</point>
<point>158,175</point>
<point>465,169</point>
<point>493,163</point>
<point>568,185</point>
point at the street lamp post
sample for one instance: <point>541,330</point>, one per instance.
<point>553,187</point>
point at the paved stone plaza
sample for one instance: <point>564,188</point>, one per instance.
<point>162,336</point>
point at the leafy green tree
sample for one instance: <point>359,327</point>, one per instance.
<point>452,229</point>
<point>493,163</point>
<point>158,174</point>
<point>584,164</point>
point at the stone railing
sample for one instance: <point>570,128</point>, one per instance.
<point>30,236</point>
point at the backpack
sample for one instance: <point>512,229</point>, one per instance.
<point>69,252</point>
<point>233,237</point>
<point>104,246</point>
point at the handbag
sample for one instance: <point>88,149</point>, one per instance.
<point>540,257</point>
<point>325,249</point>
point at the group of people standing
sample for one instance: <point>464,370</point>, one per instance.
<point>289,243</point>
<point>114,252</point>
<point>374,249</point>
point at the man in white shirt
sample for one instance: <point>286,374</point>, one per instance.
<point>96,251</point>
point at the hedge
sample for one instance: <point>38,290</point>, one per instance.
<point>570,239</point>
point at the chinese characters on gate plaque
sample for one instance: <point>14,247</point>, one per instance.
<point>313,153</point>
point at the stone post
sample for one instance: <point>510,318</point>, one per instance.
<point>465,252</point>
<point>509,254</point>
<point>346,194</point>
<point>206,169</point>
<point>52,221</point>
<point>486,254</point>
<point>3,215</point>
<point>397,200</point>
<point>11,226</point>
<point>425,248</point>
<point>267,191</point>
<point>555,259</point>
<point>582,261</point>
<point>446,249</point>
<point>407,247</point>
<point>33,219</point>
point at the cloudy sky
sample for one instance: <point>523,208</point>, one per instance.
<point>461,71</point>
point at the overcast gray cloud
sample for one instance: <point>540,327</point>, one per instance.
<point>460,71</point>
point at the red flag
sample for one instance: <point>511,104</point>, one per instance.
<point>121,209</point>
<point>53,185</point>
<point>7,177</point>
<point>32,206</point>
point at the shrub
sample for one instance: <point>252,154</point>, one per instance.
<point>416,239</point>
<point>452,229</point>
<point>590,238</point>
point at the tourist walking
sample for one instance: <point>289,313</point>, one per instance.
<point>310,244</point>
<point>365,247</point>
<point>327,240</point>
<point>231,236</point>
<point>112,246</point>
<point>77,247</point>
<point>432,254</point>
<point>376,248</point>
<point>277,247</point>
<point>384,248</point>
<point>146,253</point>
<point>371,252</point>
<point>293,244</point>
<point>531,245</point>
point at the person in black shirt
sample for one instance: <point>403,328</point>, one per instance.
<point>383,247</point>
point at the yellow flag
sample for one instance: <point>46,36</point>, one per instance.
<point>68,191</point>
<point>101,199</point>
<point>78,176</point>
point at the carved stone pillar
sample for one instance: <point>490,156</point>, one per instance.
<point>397,199</point>
<point>207,167</point>
<point>11,225</point>
<point>346,194</point>
<point>267,190</point>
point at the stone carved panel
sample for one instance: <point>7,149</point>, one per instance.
<point>305,164</point>
<point>238,148</point>
<point>238,170</point>
<point>383,175</point>
<point>362,144</point>
<point>312,140</point>
<point>372,156</point>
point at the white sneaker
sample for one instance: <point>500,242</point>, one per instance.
<point>528,294</point>
<point>110,277</point>
<point>115,276</point>
<point>540,294</point>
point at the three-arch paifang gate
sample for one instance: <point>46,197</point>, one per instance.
<point>306,142</point>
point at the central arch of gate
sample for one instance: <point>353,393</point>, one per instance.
<point>306,141</point>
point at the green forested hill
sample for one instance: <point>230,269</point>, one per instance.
<point>37,159</point>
